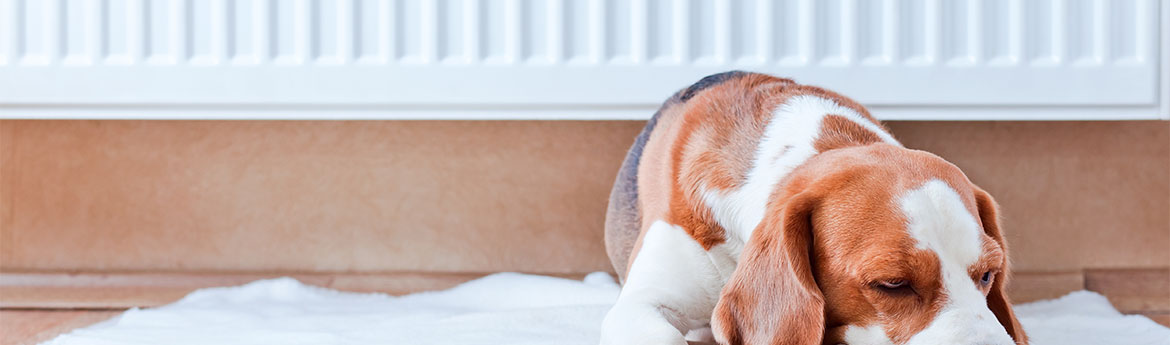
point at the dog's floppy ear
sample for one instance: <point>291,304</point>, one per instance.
<point>772,298</point>
<point>997,299</point>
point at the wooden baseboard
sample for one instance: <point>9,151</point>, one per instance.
<point>1033,286</point>
<point>1133,291</point>
<point>33,326</point>
<point>36,290</point>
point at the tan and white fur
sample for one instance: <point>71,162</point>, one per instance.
<point>755,210</point>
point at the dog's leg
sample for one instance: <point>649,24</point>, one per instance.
<point>671,288</point>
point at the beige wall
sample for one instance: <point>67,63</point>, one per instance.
<point>488,196</point>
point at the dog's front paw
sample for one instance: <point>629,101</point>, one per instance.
<point>638,326</point>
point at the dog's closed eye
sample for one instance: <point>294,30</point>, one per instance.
<point>895,287</point>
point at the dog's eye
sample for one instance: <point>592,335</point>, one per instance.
<point>894,286</point>
<point>986,279</point>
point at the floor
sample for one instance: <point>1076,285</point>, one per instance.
<point>31,326</point>
<point>36,307</point>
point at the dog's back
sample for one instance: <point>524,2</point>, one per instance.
<point>706,133</point>
<point>623,219</point>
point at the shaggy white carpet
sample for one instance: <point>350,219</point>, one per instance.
<point>505,308</point>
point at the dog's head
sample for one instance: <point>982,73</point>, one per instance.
<point>872,245</point>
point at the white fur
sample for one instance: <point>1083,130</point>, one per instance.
<point>671,288</point>
<point>788,142</point>
<point>939,222</point>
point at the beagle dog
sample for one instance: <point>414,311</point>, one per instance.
<point>781,213</point>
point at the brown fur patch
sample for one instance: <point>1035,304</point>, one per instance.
<point>715,148</point>
<point>655,174</point>
<point>773,296</point>
<point>838,132</point>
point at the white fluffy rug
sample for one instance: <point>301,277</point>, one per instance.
<point>505,308</point>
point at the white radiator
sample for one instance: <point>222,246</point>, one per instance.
<point>575,59</point>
